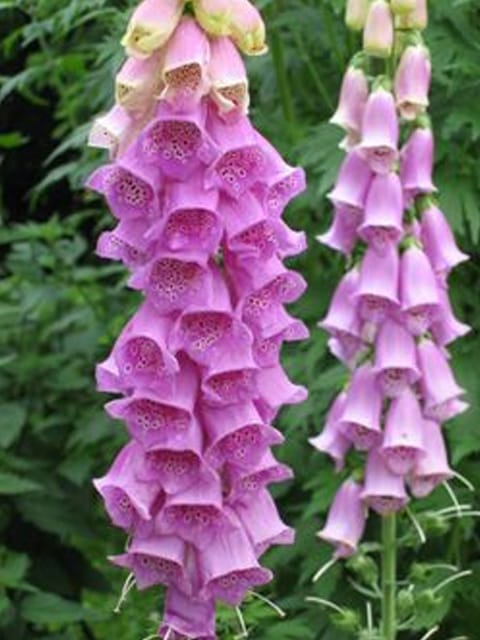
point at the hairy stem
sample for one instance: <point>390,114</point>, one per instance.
<point>389,577</point>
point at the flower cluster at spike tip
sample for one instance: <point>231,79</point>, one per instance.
<point>390,320</point>
<point>198,195</point>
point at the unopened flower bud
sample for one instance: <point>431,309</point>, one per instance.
<point>356,14</point>
<point>378,34</point>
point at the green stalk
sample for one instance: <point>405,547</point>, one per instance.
<point>282,77</point>
<point>389,577</point>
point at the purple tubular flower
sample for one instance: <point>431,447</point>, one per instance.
<point>332,441</point>
<point>237,435</point>
<point>352,185</point>
<point>190,220</point>
<point>187,617</point>
<point>383,490</point>
<point>418,291</point>
<point>241,158</point>
<point>439,242</point>
<point>343,234</point>
<point>262,523</point>
<point>403,439</point>
<point>412,82</point>
<point>155,560</point>
<point>446,328</point>
<point>128,500</point>
<point>353,98</point>
<point>416,164</point>
<point>432,468</point>
<point>126,243</point>
<point>346,520</point>
<point>440,390</point>
<point>377,293</point>
<point>199,196</point>
<point>342,321</point>
<point>141,354</point>
<point>229,567</point>
<point>243,481</point>
<point>185,66</point>
<point>130,187</point>
<point>380,132</point>
<point>360,418</point>
<point>382,224</point>
<point>395,359</point>
<point>281,183</point>
<point>228,77</point>
<point>177,143</point>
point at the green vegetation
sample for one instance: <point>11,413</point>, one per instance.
<point>60,309</point>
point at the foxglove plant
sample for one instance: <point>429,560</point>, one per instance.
<point>390,321</point>
<point>198,195</point>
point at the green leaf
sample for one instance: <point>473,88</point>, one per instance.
<point>11,484</point>
<point>12,420</point>
<point>13,568</point>
<point>48,609</point>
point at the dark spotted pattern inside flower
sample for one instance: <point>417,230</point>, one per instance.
<point>173,140</point>
<point>172,279</point>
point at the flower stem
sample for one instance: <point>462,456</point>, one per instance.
<point>389,577</point>
<point>282,77</point>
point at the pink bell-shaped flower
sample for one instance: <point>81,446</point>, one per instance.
<point>187,618</point>
<point>446,328</point>
<point>351,105</point>
<point>156,417</point>
<point>281,182</point>
<point>268,342</point>
<point>228,567</point>
<point>378,33</point>
<point>331,440</point>
<point>228,78</point>
<point>439,242</point>
<point>432,468</point>
<point>177,143</point>
<point>248,229</point>
<point>418,290</point>
<point>130,186</point>
<point>412,82</point>
<point>403,442</point>
<point>343,232</point>
<point>377,292</point>
<point>260,517</point>
<point>416,164</point>
<point>128,501</point>
<point>151,25</point>
<point>342,320</point>
<point>276,389</point>
<point>175,281</point>
<point>380,131</point>
<point>137,85</point>
<point>195,514</point>
<point>346,520</point>
<point>360,418</point>
<point>127,243</point>
<point>231,378</point>
<point>383,490</point>
<point>246,481</point>
<point>140,352</point>
<point>155,560</point>
<point>237,435</point>
<point>112,130</point>
<point>395,359</point>
<point>176,464</point>
<point>241,159</point>
<point>440,390</point>
<point>185,66</point>
<point>352,184</point>
<point>382,224</point>
<point>190,220</point>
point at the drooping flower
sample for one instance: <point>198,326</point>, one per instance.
<point>199,196</point>
<point>378,31</point>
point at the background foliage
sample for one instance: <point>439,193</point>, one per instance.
<point>60,310</point>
